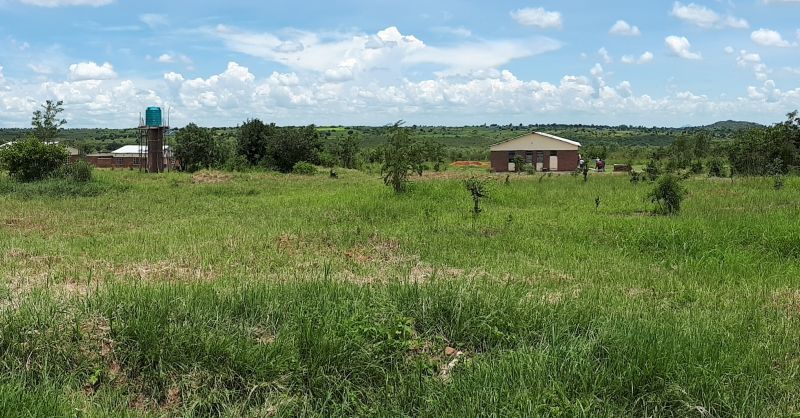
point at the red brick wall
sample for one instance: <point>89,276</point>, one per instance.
<point>567,160</point>
<point>100,162</point>
<point>499,160</point>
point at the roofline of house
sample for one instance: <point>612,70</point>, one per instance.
<point>546,135</point>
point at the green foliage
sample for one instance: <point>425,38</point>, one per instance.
<point>304,168</point>
<point>401,157</point>
<point>716,167</point>
<point>652,170</point>
<point>291,145</point>
<point>519,164</point>
<point>635,176</point>
<point>45,121</point>
<point>596,151</point>
<point>754,152</point>
<point>478,190</point>
<point>80,171</point>
<point>668,194</point>
<point>346,150</point>
<point>197,149</point>
<point>32,159</point>
<point>58,188</point>
<point>253,139</point>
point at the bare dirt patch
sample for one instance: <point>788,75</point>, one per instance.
<point>211,177</point>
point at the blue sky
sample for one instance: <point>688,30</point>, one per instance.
<point>444,62</point>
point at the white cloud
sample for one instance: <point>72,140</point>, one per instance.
<point>348,55</point>
<point>794,2</point>
<point>681,47</point>
<point>645,58</point>
<point>768,37</point>
<point>63,3</point>
<point>538,17</point>
<point>166,58</point>
<point>706,18</point>
<point>623,28</point>
<point>154,20</point>
<point>729,50</point>
<point>603,52</point>
<point>2,78</point>
<point>91,71</point>
<point>752,60</point>
<point>460,32</point>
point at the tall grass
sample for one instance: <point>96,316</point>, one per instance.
<point>289,295</point>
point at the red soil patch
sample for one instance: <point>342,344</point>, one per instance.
<point>479,164</point>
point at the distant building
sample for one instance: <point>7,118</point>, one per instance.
<point>544,151</point>
<point>128,157</point>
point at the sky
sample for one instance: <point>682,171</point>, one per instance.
<point>373,62</point>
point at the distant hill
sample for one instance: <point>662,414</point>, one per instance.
<point>734,125</point>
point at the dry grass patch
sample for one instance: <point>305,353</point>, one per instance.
<point>211,177</point>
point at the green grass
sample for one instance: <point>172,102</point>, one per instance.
<point>289,295</point>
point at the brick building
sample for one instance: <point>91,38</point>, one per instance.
<point>544,151</point>
<point>128,157</point>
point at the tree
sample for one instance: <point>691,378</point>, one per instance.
<point>254,136</point>
<point>32,159</point>
<point>45,122</point>
<point>755,151</point>
<point>399,158</point>
<point>292,145</point>
<point>347,149</point>
<point>196,148</point>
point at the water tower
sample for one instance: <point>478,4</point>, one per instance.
<point>151,141</point>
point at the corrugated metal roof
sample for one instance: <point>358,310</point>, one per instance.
<point>557,138</point>
<point>135,149</point>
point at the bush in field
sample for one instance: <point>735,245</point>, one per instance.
<point>696,166</point>
<point>519,164</point>
<point>636,176</point>
<point>477,189</point>
<point>652,170</point>
<point>304,168</point>
<point>32,160</point>
<point>81,172</point>
<point>716,168</point>
<point>528,169</point>
<point>197,149</point>
<point>668,194</point>
<point>400,158</point>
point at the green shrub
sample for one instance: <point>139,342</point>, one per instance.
<point>32,160</point>
<point>652,170</point>
<point>668,194</point>
<point>696,166</point>
<point>81,172</point>
<point>304,168</point>
<point>715,168</point>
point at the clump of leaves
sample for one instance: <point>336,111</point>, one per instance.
<point>586,173</point>
<point>776,170</point>
<point>668,195</point>
<point>508,180</point>
<point>477,189</point>
<point>636,176</point>
<point>401,157</point>
<point>33,160</point>
<point>597,203</point>
<point>304,168</point>
<point>519,164</point>
<point>652,170</point>
<point>715,168</point>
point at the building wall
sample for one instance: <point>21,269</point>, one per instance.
<point>567,160</point>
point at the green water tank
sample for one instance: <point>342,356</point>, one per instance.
<point>153,117</point>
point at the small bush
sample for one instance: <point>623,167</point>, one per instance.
<point>32,160</point>
<point>477,189</point>
<point>715,168</point>
<point>636,176</point>
<point>652,170</point>
<point>696,166</point>
<point>81,172</point>
<point>529,169</point>
<point>668,195</point>
<point>304,168</point>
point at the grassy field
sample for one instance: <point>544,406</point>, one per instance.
<point>265,294</point>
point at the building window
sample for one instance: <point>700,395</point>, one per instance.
<point>135,161</point>
<point>554,153</point>
<point>120,161</point>
<point>540,156</point>
<point>511,156</point>
<point>529,157</point>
